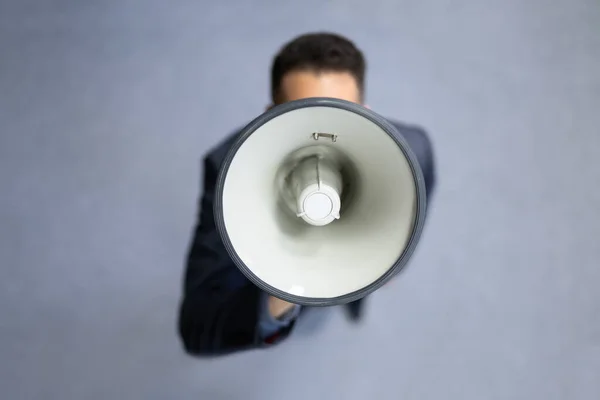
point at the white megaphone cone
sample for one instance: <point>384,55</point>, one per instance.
<point>320,201</point>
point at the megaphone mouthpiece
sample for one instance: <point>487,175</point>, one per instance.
<point>318,186</point>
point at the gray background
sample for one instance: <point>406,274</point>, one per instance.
<point>107,106</point>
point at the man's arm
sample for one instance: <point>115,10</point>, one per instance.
<point>222,311</point>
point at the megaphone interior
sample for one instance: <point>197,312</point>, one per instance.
<point>320,201</point>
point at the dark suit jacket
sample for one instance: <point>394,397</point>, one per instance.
<point>220,308</point>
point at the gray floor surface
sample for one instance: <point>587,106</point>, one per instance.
<point>107,106</point>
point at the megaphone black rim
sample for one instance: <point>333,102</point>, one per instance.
<point>386,127</point>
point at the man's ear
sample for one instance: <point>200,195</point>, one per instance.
<point>367,106</point>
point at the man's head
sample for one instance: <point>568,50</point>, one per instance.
<point>318,65</point>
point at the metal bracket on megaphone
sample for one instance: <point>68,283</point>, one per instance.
<point>318,135</point>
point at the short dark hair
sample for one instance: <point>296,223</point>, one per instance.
<point>318,52</point>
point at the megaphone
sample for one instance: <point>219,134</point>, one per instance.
<point>320,201</point>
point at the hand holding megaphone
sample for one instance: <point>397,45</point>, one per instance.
<point>278,307</point>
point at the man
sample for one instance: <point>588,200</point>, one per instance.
<point>222,311</point>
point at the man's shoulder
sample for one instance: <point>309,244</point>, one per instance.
<point>420,144</point>
<point>217,153</point>
<point>416,137</point>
